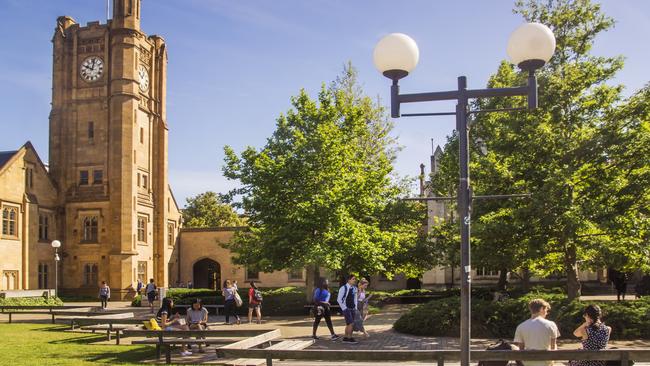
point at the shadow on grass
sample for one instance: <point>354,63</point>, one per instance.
<point>131,355</point>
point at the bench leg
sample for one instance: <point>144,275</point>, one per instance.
<point>117,337</point>
<point>168,354</point>
<point>52,318</point>
<point>269,361</point>
<point>441,361</point>
<point>158,351</point>
<point>108,333</point>
<point>9,318</point>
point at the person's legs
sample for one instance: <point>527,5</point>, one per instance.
<point>328,320</point>
<point>258,310</point>
<point>317,319</point>
<point>250,314</point>
<point>227,309</point>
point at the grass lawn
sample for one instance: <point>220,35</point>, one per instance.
<point>41,344</point>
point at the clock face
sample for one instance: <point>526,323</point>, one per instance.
<point>92,68</point>
<point>143,76</point>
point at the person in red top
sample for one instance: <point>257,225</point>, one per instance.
<point>254,303</point>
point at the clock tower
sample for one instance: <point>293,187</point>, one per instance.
<point>108,152</point>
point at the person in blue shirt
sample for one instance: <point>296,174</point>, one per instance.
<point>322,308</point>
<point>347,300</point>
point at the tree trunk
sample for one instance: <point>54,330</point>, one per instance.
<point>525,279</point>
<point>503,279</point>
<point>313,274</point>
<point>571,266</point>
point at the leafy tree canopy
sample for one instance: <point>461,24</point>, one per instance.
<point>209,209</point>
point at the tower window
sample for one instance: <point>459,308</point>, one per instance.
<point>90,229</point>
<point>141,135</point>
<point>9,218</point>
<point>145,181</point>
<point>83,177</point>
<point>43,227</point>
<point>142,229</point>
<point>98,176</point>
<point>91,130</point>
<point>29,177</point>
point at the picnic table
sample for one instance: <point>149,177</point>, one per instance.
<point>168,338</point>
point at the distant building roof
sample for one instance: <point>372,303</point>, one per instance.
<point>5,156</point>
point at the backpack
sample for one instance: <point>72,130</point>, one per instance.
<point>257,295</point>
<point>501,345</point>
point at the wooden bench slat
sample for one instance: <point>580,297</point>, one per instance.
<point>292,345</point>
<point>255,341</point>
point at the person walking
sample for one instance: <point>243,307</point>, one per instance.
<point>361,312</point>
<point>138,287</point>
<point>322,310</point>
<point>229,293</point>
<point>104,294</point>
<point>537,332</point>
<point>593,333</point>
<point>347,300</point>
<point>150,291</point>
<point>620,283</point>
<point>254,303</point>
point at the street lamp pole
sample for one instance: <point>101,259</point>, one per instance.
<point>56,244</point>
<point>530,47</point>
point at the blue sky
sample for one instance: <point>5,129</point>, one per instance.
<point>233,65</point>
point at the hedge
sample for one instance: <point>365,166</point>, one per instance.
<point>629,320</point>
<point>31,301</point>
<point>277,301</point>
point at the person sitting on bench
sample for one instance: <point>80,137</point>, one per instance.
<point>197,318</point>
<point>172,322</point>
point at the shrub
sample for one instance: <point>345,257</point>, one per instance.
<point>277,301</point>
<point>629,320</point>
<point>31,301</point>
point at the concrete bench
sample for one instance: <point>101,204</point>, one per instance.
<point>100,318</point>
<point>282,345</point>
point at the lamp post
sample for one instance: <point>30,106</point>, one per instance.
<point>530,46</point>
<point>56,244</point>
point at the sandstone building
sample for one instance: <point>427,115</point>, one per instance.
<point>106,195</point>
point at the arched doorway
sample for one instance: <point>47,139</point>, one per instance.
<point>207,274</point>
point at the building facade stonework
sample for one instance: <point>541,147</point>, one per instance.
<point>110,200</point>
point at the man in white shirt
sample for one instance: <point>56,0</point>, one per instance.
<point>537,332</point>
<point>347,300</point>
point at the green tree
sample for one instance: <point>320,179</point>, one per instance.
<point>580,155</point>
<point>321,192</point>
<point>209,209</point>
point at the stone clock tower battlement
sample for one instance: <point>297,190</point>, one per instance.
<point>108,151</point>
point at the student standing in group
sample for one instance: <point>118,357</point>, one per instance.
<point>104,294</point>
<point>254,303</point>
<point>150,291</point>
<point>138,287</point>
<point>362,308</point>
<point>537,332</point>
<point>322,308</point>
<point>229,292</point>
<point>347,300</point>
<point>197,318</point>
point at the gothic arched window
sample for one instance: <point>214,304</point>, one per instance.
<point>90,229</point>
